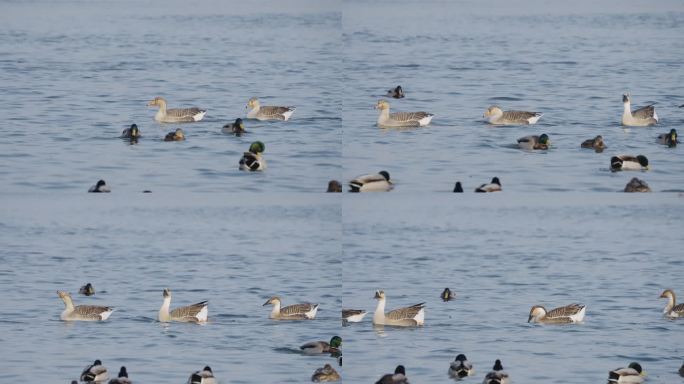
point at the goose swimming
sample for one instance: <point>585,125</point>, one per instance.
<point>236,128</point>
<point>379,182</point>
<point>100,187</point>
<point>397,93</point>
<point>493,186</point>
<point>353,315</point>
<point>672,309</point>
<point>195,313</point>
<point>398,377</point>
<point>633,374</point>
<point>497,116</point>
<point>205,376</point>
<point>596,144</point>
<point>573,313</point>
<point>94,373</point>
<point>497,375</point>
<point>642,117</point>
<point>534,142</point>
<point>669,139</point>
<point>318,347</point>
<point>628,163</point>
<point>637,185</point>
<point>400,119</point>
<point>122,378</point>
<point>461,367</point>
<point>267,112</point>
<point>177,135</point>
<point>253,160</point>
<point>175,115</point>
<point>325,374</point>
<point>304,311</point>
<point>82,312</point>
<point>400,317</point>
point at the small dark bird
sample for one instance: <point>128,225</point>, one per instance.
<point>122,379</point>
<point>87,290</point>
<point>334,186</point>
<point>132,133</point>
<point>101,186</point>
<point>236,128</point>
<point>396,93</point>
<point>458,188</point>
<point>447,295</point>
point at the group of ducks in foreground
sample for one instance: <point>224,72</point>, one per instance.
<point>410,316</point>
<point>253,159</point>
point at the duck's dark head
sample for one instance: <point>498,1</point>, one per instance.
<point>100,183</point>
<point>398,92</point>
<point>461,357</point>
<point>544,139</point>
<point>87,290</point>
<point>208,368</point>
<point>257,147</point>
<point>97,362</point>
<point>447,294</point>
<point>238,123</point>
<point>458,187</point>
<point>496,181</point>
<point>497,365</point>
<point>334,186</point>
<point>385,174</point>
<point>642,160</point>
<point>122,372</point>
<point>135,132</point>
<point>635,366</point>
<point>336,341</point>
<point>672,141</point>
<point>400,369</point>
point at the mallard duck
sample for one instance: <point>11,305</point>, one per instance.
<point>334,186</point>
<point>633,374</point>
<point>94,373</point>
<point>458,188</point>
<point>596,144</point>
<point>447,295</point>
<point>325,374</point>
<point>573,313</point>
<point>400,119</point>
<point>641,117</point>
<point>379,182</point>
<point>131,133</point>
<point>266,112</point>
<point>493,186</point>
<point>397,93</point>
<point>461,367</point>
<point>497,375</point>
<point>398,377</point>
<point>672,309</point>
<point>253,160</point>
<point>318,347</point>
<point>400,317</point>
<point>177,135</point>
<point>497,116</point>
<point>304,311</point>
<point>175,115</point>
<point>681,369</point>
<point>669,139</point>
<point>195,313</point>
<point>82,312</point>
<point>87,290</point>
<point>122,378</point>
<point>628,163</point>
<point>353,315</point>
<point>205,376</point>
<point>534,142</point>
<point>236,128</point>
<point>100,186</point>
<point>637,185</point>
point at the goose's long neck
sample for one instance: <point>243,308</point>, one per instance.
<point>68,304</point>
<point>379,310</point>
<point>384,115</point>
<point>275,311</point>
<point>670,303</point>
<point>627,109</point>
<point>164,310</point>
<point>254,111</point>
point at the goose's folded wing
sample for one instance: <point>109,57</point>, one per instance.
<point>408,116</point>
<point>567,311</point>
<point>352,312</point>
<point>296,309</point>
<point>678,308</point>
<point>189,311</point>
<point>519,115</point>
<point>274,111</point>
<point>183,112</point>
<point>645,112</point>
<point>405,313</point>
<point>90,311</point>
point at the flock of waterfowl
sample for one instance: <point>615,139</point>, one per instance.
<point>410,316</point>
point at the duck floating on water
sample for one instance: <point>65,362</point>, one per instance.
<point>253,159</point>
<point>397,93</point>
<point>461,367</point>
<point>596,144</point>
<point>628,163</point>
<point>633,374</point>
<point>100,187</point>
<point>94,373</point>
<point>637,185</point>
<point>669,139</point>
<point>493,186</point>
<point>378,182</point>
<point>87,290</point>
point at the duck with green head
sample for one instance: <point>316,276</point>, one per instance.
<point>534,142</point>
<point>318,347</point>
<point>252,160</point>
<point>132,133</point>
<point>236,128</point>
<point>629,163</point>
<point>669,139</point>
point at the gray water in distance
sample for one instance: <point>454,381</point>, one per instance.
<point>236,254</point>
<point>75,74</point>
<point>501,255</point>
<point>570,61</point>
